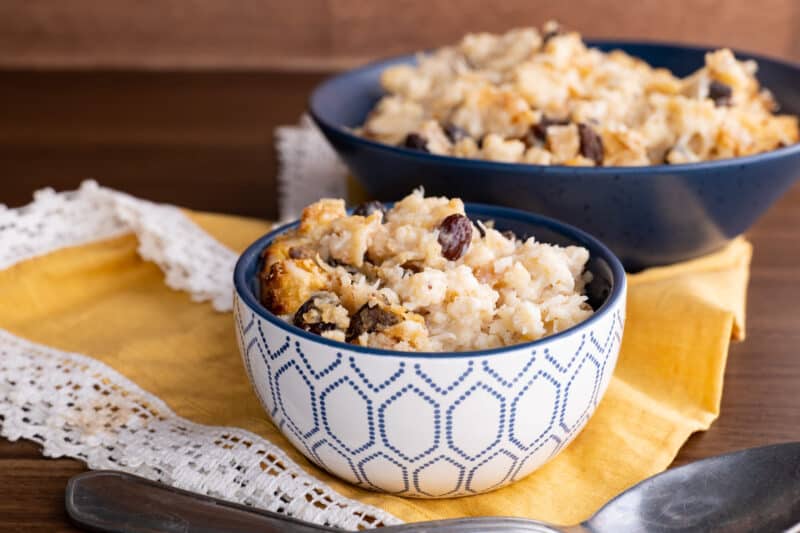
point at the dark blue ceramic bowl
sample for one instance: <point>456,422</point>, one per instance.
<point>647,215</point>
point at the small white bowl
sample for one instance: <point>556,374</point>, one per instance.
<point>434,425</point>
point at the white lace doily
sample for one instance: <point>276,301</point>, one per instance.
<point>78,407</point>
<point>191,260</point>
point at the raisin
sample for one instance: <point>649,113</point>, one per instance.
<point>301,252</point>
<point>591,143</point>
<point>369,320</point>
<point>455,133</point>
<point>534,137</point>
<point>367,208</point>
<point>720,93</point>
<point>538,132</point>
<point>415,141</point>
<point>455,235</point>
<point>413,265</point>
<point>301,321</point>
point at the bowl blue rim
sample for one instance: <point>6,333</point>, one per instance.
<point>253,252</point>
<point>558,169</point>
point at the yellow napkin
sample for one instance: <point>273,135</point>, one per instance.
<point>102,300</point>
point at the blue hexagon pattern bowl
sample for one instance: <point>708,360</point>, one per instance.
<point>647,215</point>
<point>433,425</point>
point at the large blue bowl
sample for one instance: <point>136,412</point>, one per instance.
<point>647,215</point>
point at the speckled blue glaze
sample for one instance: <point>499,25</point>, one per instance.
<point>647,215</point>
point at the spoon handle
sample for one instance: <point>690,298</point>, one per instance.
<point>118,502</point>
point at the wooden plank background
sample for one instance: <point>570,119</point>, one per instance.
<point>177,100</point>
<point>332,34</point>
<point>203,140</point>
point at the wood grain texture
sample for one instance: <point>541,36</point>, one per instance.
<point>197,139</point>
<point>168,137</point>
<point>331,34</point>
<point>32,489</point>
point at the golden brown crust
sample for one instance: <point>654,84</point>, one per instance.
<point>288,283</point>
<point>320,214</point>
<point>288,246</point>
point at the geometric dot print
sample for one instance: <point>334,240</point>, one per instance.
<point>430,427</point>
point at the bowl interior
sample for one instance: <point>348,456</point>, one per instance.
<point>606,287</point>
<point>345,100</point>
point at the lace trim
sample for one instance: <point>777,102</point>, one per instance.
<point>56,220</point>
<point>78,407</point>
<point>192,260</point>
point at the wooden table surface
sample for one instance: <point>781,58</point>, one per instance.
<point>205,141</point>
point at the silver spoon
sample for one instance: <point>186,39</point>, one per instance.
<point>751,490</point>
